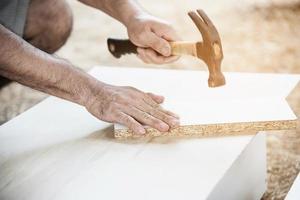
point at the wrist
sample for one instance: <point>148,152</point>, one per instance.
<point>91,87</point>
<point>79,86</point>
<point>93,91</point>
<point>129,11</point>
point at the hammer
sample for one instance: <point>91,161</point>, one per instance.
<point>209,50</point>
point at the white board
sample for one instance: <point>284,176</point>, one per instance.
<point>246,97</point>
<point>294,193</point>
<point>56,150</point>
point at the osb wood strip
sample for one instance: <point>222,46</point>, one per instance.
<point>214,130</point>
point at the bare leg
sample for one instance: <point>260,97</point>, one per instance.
<point>48,24</point>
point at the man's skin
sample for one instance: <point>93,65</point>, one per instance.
<point>29,61</point>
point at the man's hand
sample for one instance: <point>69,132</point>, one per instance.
<point>130,107</point>
<point>149,33</point>
<point>152,37</point>
<point>22,62</point>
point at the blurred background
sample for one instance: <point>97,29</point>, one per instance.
<point>257,36</point>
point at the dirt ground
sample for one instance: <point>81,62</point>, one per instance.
<point>257,36</point>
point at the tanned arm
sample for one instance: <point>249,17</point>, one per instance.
<point>32,67</point>
<point>121,10</point>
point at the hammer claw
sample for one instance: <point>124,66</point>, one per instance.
<point>205,18</point>
<point>201,25</point>
<point>212,29</point>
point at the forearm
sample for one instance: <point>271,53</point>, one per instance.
<point>122,10</point>
<point>25,64</point>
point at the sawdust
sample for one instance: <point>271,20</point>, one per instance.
<point>257,36</point>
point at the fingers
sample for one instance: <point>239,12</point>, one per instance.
<point>157,43</point>
<point>149,112</point>
<point>131,107</point>
<point>130,122</point>
<point>168,116</point>
<point>150,56</point>
<point>163,115</point>
<point>147,119</point>
<point>167,32</point>
<point>157,98</point>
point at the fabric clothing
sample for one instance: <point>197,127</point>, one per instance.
<point>13,15</point>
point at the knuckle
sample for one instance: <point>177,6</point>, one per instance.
<point>166,118</point>
<point>115,117</point>
<point>141,36</point>
<point>155,105</point>
<point>130,88</point>
<point>113,107</point>
<point>126,120</point>
<point>116,97</point>
<point>146,27</point>
<point>145,116</point>
<point>126,103</point>
<point>154,113</point>
<point>163,117</point>
<point>122,118</point>
<point>147,95</point>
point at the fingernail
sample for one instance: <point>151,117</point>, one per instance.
<point>141,131</point>
<point>164,127</point>
<point>166,51</point>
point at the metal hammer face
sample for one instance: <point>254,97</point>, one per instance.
<point>210,50</point>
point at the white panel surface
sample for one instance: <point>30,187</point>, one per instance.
<point>294,193</point>
<point>56,150</point>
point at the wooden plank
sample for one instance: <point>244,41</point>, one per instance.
<point>247,104</point>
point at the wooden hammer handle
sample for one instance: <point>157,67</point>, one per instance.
<point>119,47</point>
<point>183,48</point>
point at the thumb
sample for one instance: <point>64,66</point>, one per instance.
<point>159,44</point>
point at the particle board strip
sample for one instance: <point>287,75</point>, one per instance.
<point>214,130</point>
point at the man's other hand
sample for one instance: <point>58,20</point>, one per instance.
<point>152,36</point>
<point>130,107</point>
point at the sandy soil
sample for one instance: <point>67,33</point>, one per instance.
<point>257,36</point>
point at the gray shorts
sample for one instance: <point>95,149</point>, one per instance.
<point>13,15</point>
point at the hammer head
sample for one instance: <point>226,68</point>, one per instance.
<point>210,49</point>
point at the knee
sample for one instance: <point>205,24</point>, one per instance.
<point>60,29</point>
<point>53,26</point>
